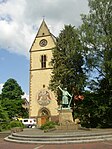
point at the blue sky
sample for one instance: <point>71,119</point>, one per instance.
<point>14,66</point>
<point>19,23</point>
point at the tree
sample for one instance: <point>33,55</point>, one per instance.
<point>4,118</point>
<point>105,102</point>
<point>11,90</point>
<point>3,113</point>
<point>11,98</point>
<point>96,38</point>
<point>68,62</point>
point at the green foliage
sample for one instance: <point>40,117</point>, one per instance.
<point>48,125</point>
<point>87,110</point>
<point>4,125</point>
<point>11,90</point>
<point>95,110</point>
<point>67,61</point>
<point>4,119</point>
<point>105,102</point>
<point>11,99</point>
<point>7,125</point>
<point>16,123</point>
<point>3,113</point>
<point>96,38</point>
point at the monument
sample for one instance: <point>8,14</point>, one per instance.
<point>65,112</point>
<point>65,101</point>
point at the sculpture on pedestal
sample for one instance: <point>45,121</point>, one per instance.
<point>65,98</point>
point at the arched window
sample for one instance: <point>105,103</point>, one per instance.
<point>44,113</point>
<point>43,61</point>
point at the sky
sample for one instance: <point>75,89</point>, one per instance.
<point>19,23</point>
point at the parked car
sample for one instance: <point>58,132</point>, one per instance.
<point>28,122</point>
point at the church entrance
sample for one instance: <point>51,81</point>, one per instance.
<point>44,120</point>
<point>44,115</point>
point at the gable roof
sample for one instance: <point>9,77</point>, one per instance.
<point>43,30</point>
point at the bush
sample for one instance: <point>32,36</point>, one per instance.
<point>16,123</point>
<point>4,125</point>
<point>48,125</point>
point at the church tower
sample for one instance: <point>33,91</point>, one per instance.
<point>43,103</point>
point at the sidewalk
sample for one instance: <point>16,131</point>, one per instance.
<point>36,131</point>
<point>4,133</point>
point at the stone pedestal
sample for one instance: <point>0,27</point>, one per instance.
<point>65,115</point>
<point>66,120</point>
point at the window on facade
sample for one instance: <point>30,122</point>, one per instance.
<point>44,113</point>
<point>43,61</point>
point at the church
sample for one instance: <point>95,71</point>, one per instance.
<point>43,102</point>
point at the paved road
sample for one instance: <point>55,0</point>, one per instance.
<point>98,145</point>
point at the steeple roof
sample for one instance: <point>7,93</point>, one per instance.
<point>43,33</point>
<point>43,30</point>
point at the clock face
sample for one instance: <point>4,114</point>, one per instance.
<point>43,43</point>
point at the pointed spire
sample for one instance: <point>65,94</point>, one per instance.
<point>43,30</point>
<point>43,17</point>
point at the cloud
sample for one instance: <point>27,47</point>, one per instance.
<point>26,96</point>
<point>19,20</point>
<point>1,86</point>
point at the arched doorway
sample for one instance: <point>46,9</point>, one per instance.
<point>44,115</point>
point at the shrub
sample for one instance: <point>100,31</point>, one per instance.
<point>48,125</point>
<point>4,125</point>
<point>16,123</point>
